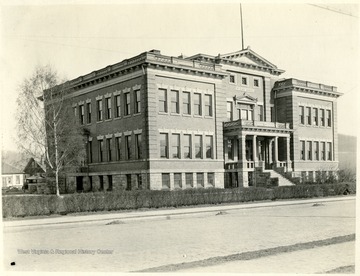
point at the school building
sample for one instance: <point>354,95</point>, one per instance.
<point>161,122</point>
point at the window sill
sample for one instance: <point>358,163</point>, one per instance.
<point>175,114</point>
<point>187,115</point>
<point>108,120</point>
<point>198,116</point>
<point>137,114</point>
<point>163,113</point>
<point>208,117</point>
<point>127,116</point>
<point>117,118</point>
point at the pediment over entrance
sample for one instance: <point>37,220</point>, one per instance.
<point>245,98</point>
<point>248,56</point>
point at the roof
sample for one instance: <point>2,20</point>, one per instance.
<point>10,169</point>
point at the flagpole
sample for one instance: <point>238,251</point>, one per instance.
<point>242,31</point>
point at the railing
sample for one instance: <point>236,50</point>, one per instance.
<point>240,165</point>
<point>309,84</point>
<point>240,122</point>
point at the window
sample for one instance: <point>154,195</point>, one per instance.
<point>127,103</point>
<point>302,151</point>
<point>163,100</point>
<point>328,118</point>
<point>18,179</point>
<point>244,81</point>
<point>118,148</point>
<point>187,145</point>
<point>229,111</point>
<point>261,113</point>
<point>110,182</point>
<point>108,108</point>
<point>128,146</point>
<point>329,148</point>
<point>198,146</point>
<point>174,101</point>
<point>230,150</point>
<point>139,181</point>
<point>256,83</point>
<point>197,104</point>
<point>165,180</point>
<point>88,107</point>
<point>108,146</point>
<point>208,105</point>
<point>137,101</point>
<point>101,150</point>
<point>309,150</point>
<point>128,182</point>
<point>272,114</point>
<point>316,145</point>
<point>164,145</point>
<point>308,115</point>
<point>322,117</point>
<point>175,145</point>
<point>200,180</point>
<point>315,114</point>
<point>186,103</point>
<point>323,151</point>
<point>177,180</point>
<point>118,106</point>
<point>209,146</point>
<point>75,113</point>
<point>232,79</point>
<point>138,146</point>
<point>90,159</point>
<point>211,179</point>
<point>301,112</point>
<point>189,180</point>
<point>82,114</point>
<point>101,180</point>
<point>245,111</point>
<point>99,110</point>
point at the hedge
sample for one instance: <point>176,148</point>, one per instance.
<point>21,206</point>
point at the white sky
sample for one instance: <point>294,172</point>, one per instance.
<point>308,42</point>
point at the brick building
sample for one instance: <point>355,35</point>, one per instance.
<point>160,122</point>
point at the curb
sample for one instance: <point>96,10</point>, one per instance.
<point>161,214</point>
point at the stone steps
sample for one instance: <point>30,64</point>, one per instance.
<point>282,180</point>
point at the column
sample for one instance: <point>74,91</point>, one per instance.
<point>242,157</point>
<point>236,142</point>
<point>276,151</point>
<point>288,162</point>
<point>270,151</point>
<point>226,157</point>
<point>255,157</point>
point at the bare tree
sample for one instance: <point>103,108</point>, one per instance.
<point>47,128</point>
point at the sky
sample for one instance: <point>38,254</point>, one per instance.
<point>311,42</point>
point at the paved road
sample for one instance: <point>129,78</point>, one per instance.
<point>141,244</point>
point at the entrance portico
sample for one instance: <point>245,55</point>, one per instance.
<point>252,144</point>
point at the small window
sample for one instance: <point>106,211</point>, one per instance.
<point>127,103</point>
<point>177,181</point>
<point>328,117</point>
<point>301,113</point>
<point>323,151</point>
<point>189,179</point>
<point>175,145</point>
<point>261,113</point>
<point>108,145</point>
<point>162,100</point>
<point>197,104</point>
<point>232,79</point>
<point>164,145</point>
<point>108,108</point>
<point>90,159</point>
<point>316,152</point>
<point>187,146</point>
<point>329,155</point>
<point>118,148</point>
<point>309,150</point>
<point>101,150</point>
<point>175,101</point>
<point>118,106</point>
<point>165,180</point>
<point>229,110</point>
<point>308,115</point>
<point>138,146</point>
<point>256,83</point>
<point>137,102</point>
<point>302,151</point>
<point>211,179</point>
<point>322,117</point>
<point>198,146</point>
<point>82,114</point>
<point>200,180</point>
<point>208,105</point>
<point>244,81</point>
<point>186,103</point>
<point>99,110</point>
<point>315,114</point>
<point>128,146</point>
<point>209,146</point>
<point>88,107</point>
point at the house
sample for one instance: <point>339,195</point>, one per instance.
<point>11,176</point>
<point>160,122</point>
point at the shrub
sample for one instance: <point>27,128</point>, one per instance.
<point>27,205</point>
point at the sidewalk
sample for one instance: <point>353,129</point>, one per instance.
<point>162,213</point>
